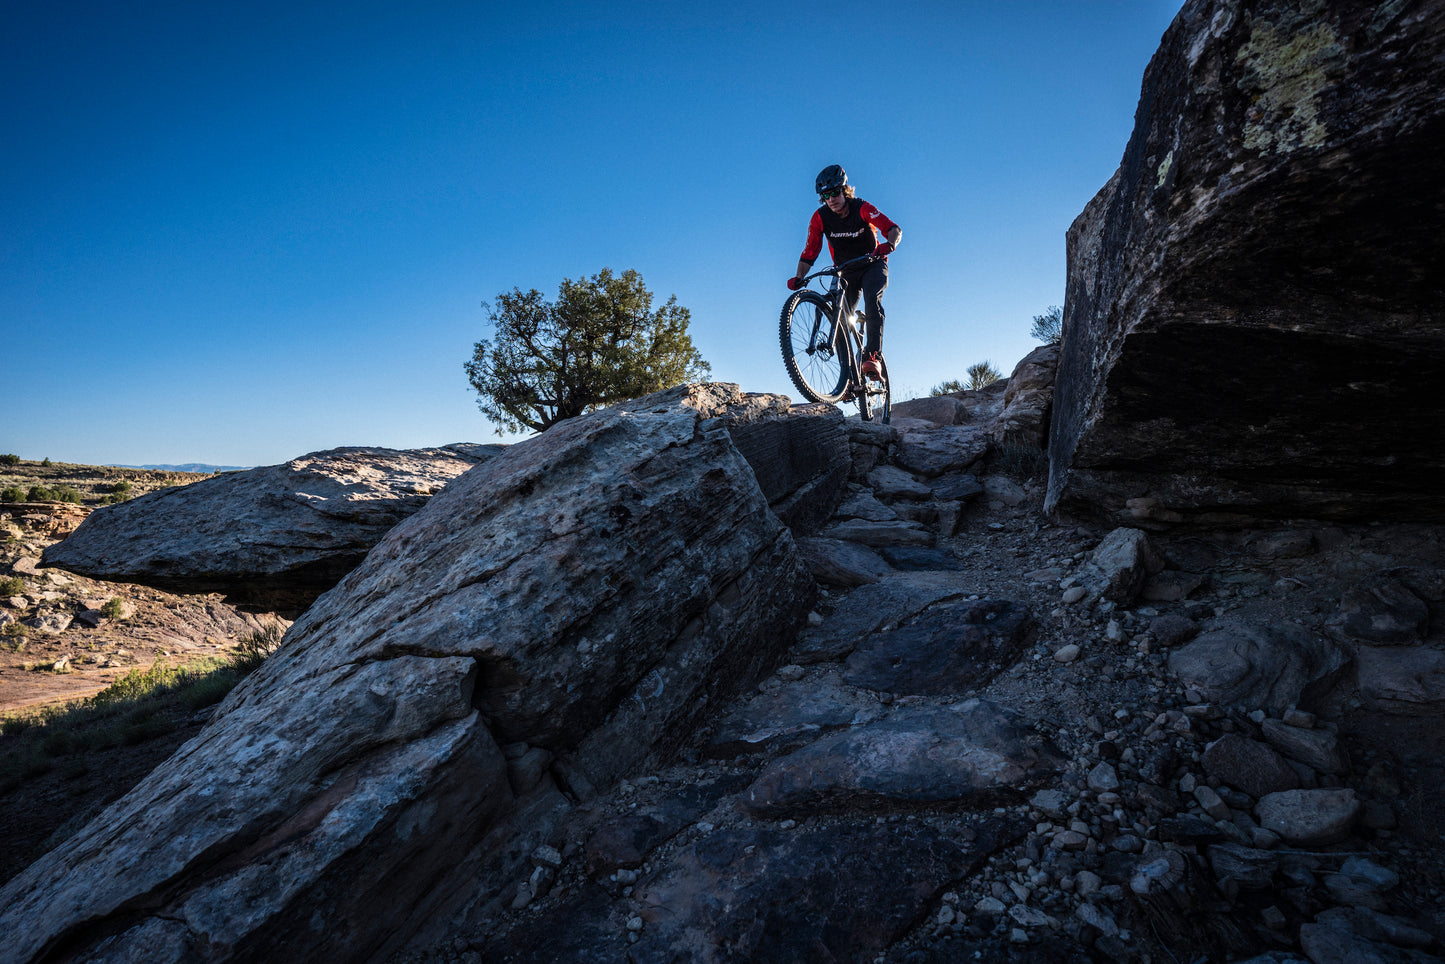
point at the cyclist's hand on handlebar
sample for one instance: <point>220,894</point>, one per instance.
<point>795,283</point>
<point>883,250</point>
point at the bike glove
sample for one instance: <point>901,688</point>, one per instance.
<point>883,250</point>
<point>795,283</point>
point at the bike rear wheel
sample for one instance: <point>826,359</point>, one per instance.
<point>813,355</point>
<point>876,399</point>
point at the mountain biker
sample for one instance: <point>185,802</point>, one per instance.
<point>851,225</point>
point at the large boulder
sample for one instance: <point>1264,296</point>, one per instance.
<point>274,537</point>
<point>1028,400</point>
<point>1254,323</point>
<point>799,453</point>
<point>579,599</point>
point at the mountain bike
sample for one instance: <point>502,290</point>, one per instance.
<point>823,347</point>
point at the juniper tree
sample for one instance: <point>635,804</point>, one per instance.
<point>599,343</point>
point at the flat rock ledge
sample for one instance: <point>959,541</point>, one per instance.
<point>275,537</point>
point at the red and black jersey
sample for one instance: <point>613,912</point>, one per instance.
<point>850,235</point>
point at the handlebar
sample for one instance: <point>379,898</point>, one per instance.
<point>838,268</point>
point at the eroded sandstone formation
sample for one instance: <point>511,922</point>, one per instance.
<point>1255,319</point>
<point>274,537</point>
<point>563,613</point>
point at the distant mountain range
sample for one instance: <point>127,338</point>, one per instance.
<point>189,467</point>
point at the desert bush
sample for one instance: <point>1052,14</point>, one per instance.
<point>12,493</point>
<point>16,630</point>
<point>981,374</point>
<point>12,586</point>
<point>947,387</point>
<point>61,493</point>
<point>9,459</point>
<point>119,492</point>
<point>253,648</point>
<point>599,343</point>
<point>114,608</point>
<point>1049,326</point>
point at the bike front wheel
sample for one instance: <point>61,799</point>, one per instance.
<point>812,352</point>
<point>876,398</point>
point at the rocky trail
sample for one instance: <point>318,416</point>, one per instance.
<point>584,700</point>
<point>982,756</point>
<point>1000,736</point>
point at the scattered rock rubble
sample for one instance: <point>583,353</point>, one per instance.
<point>1043,742</point>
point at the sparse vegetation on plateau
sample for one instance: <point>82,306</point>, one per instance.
<point>9,459</point>
<point>142,704</point>
<point>63,493</point>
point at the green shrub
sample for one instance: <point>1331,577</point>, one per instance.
<point>12,586</point>
<point>947,387</point>
<point>12,493</point>
<point>982,374</point>
<point>16,631</point>
<point>114,608</point>
<point>1049,326</point>
<point>62,493</point>
<point>9,459</point>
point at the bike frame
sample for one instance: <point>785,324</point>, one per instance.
<point>843,326</point>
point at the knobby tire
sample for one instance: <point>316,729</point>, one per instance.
<point>822,373</point>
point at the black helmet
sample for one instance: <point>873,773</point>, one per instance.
<point>831,178</point>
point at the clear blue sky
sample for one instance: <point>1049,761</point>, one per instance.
<point>237,233</point>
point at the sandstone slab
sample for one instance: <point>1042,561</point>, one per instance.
<point>587,592</point>
<point>276,536</point>
<point>951,449</point>
<point>879,607</point>
<point>968,754</point>
<point>835,562</point>
<point>937,409</point>
<point>947,649</point>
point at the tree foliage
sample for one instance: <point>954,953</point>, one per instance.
<point>599,343</point>
<point>1049,326</point>
<point>981,374</point>
<point>947,387</point>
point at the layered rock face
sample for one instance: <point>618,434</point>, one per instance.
<point>1255,323</point>
<point>564,612</point>
<point>275,537</point>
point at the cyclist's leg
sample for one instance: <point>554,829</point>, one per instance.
<point>873,282</point>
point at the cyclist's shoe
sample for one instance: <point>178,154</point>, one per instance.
<point>873,367</point>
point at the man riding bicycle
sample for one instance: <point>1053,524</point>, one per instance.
<point>851,225</point>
